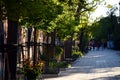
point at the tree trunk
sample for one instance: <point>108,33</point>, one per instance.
<point>81,47</point>
<point>11,49</point>
<point>2,48</point>
<point>68,48</point>
<point>52,47</point>
<point>35,47</point>
<point>28,41</point>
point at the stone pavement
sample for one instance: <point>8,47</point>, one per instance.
<point>95,65</point>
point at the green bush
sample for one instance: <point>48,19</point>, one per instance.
<point>31,71</point>
<point>52,67</point>
<point>63,64</point>
<point>76,54</point>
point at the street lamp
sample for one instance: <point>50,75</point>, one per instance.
<point>118,19</point>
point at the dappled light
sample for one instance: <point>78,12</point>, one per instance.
<point>75,39</point>
<point>93,66</point>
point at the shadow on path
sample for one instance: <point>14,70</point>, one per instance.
<point>95,65</point>
<point>117,77</point>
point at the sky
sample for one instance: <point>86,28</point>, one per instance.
<point>102,10</point>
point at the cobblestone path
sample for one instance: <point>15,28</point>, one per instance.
<point>95,65</point>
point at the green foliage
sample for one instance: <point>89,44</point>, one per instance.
<point>52,64</point>
<point>48,15</point>
<point>101,28</point>
<point>67,24</point>
<point>104,27</point>
<point>42,15</point>
<point>63,64</point>
<point>76,54</point>
<point>52,67</point>
<point>33,10</point>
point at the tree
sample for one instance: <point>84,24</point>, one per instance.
<point>105,29</point>
<point>100,29</point>
<point>23,9</point>
<point>68,24</point>
<point>105,26</point>
<point>42,14</point>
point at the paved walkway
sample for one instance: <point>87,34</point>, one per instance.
<point>95,65</point>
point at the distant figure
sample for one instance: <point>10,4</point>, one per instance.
<point>90,45</point>
<point>98,44</point>
<point>103,43</point>
<point>93,45</point>
<point>102,46</point>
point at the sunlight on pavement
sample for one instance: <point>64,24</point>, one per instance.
<point>94,75</point>
<point>96,65</point>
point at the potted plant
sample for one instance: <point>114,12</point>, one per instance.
<point>30,71</point>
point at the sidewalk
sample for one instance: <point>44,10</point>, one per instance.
<point>95,65</point>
